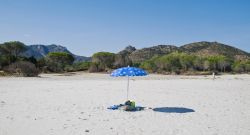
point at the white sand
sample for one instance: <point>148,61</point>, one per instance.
<point>70,105</point>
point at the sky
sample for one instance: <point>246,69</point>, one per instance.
<point>89,26</point>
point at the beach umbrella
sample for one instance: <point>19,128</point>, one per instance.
<point>128,72</point>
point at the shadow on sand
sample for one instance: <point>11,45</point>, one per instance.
<point>173,110</point>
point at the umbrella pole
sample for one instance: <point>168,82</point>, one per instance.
<point>127,87</point>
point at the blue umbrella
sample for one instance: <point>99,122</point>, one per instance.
<point>128,71</point>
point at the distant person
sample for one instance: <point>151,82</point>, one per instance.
<point>213,75</point>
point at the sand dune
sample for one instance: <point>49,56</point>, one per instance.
<point>75,104</point>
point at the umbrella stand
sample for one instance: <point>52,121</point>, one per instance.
<point>127,87</point>
<point>128,71</point>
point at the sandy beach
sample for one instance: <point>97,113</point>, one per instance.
<point>76,104</point>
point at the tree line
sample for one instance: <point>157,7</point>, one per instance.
<point>173,63</point>
<point>177,62</point>
<point>12,62</point>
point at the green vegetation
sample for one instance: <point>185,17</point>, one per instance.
<point>207,48</point>
<point>186,60</point>
<point>22,68</point>
<point>149,65</point>
<point>12,63</point>
<point>57,61</point>
<point>122,60</point>
<point>11,50</point>
<point>182,62</point>
<point>176,62</point>
<point>241,66</point>
<point>103,54</point>
<point>102,61</point>
<point>80,66</point>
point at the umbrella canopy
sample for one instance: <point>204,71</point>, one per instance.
<point>128,71</point>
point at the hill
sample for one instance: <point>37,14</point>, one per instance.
<point>147,53</point>
<point>197,48</point>
<point>198,56</point>
<point>40,51</point>
<point>214,48</point>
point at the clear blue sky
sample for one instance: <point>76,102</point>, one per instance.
<point>88,26</point>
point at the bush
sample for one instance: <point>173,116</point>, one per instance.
<point>56,61</point>
<point>103,54</point>
<point>81,66</point>
<point>186,61</point>
<point>105,60</point>
<point>241,66</point>
<point>93,67</point>
<point>3,61</point>
<point>238,68</point>
<point>69,68</point>
<point>11,50</point>
<point>149,66</point>
<point>247,67</point>
<point>2,73</point>
<point>170,62</point>
<point>97,67</point>
<point>122,60</point>
<point>22,68</point>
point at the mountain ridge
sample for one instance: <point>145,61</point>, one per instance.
<point>202,48</point>
<point>39,51</point>
<point>205,48</point>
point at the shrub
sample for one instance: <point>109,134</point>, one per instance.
<point>198,64</point>
<point>238,68</point>
<point>56,61</point>
<point>104,60</point>
<point>186,60</point>
<point>22,68</point>
<point>41,63</point>
<point>61,57</point>
<point>93,67</point>
<point>247,66</point>
<point>149,65</point>
<point>103,54</point>
<point>122,60</point>
<point>241,66</point>
<point>3,61</point>
<point>69,68</point>
<point>136,64</point>
<point>170,62</point>
<point>11,50</point>
<point>81,66</point>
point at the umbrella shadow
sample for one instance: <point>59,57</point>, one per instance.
<point>173,110</point>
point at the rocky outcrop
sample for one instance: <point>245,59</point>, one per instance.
<point>40,51</point>
<point>122,58</point>
<point>197,48</point>
<point>147,53</point>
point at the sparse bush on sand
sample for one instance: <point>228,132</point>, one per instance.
<point>93,67</point>
<point>22,68</point>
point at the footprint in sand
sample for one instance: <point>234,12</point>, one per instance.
<point>10,118</point>
<point>82,118</point>
<point>2,103</point>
